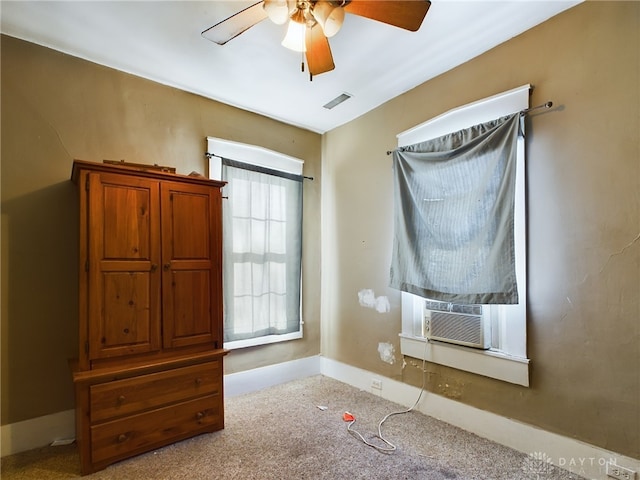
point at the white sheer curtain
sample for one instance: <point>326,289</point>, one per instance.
<point>454,214</point>
<point>262,221</point>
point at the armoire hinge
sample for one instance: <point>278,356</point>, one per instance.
<point>86,348</point>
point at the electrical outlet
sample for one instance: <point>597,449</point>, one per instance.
<point>376,383</point>
<point>621,473</point>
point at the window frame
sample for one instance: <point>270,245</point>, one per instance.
<point>507,359</point>
<point>217,148</point>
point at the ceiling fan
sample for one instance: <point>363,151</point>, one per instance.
<point>313,22</point>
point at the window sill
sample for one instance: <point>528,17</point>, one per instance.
<point>490,363</point>
<point>254,342</point>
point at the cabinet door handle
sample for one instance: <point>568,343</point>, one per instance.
<point>154,267</point>
<point>166,267</point>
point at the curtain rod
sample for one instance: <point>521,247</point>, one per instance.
<point>544,105</point>
<point>209,155</point>
<point>522,112</point>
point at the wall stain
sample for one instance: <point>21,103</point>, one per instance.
<point>436,382</point>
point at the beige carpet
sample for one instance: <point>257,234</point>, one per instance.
<point>280,433</point>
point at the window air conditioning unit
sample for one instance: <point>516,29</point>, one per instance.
<point>459,324</point>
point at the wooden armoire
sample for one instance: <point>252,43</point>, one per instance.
<point>149,369</point>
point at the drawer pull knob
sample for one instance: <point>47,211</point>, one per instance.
<point>121,399</point>
<point>122,438</point>
<point>198,381</point>
<point>199,416</point>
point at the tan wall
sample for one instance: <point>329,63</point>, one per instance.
<point>583,226</point>
<point>56,108</point>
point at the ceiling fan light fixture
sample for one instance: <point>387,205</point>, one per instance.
<point>277,11</point>
<point>312,22</point>
<point>329,16</point>
<point>296,31</point>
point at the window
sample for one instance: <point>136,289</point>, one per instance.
<point>507,358</point>
<point>262,243</point>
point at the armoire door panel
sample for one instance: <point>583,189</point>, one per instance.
<point>190,231</point>
<point>126,323</point>
<point>190,224</point>
<point>124,280</point>
<point>192,306</point>
<point>127,222</point>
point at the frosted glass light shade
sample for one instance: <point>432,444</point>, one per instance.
<point>276,10</point>
<point>329,17</point>
<point>295,37</point>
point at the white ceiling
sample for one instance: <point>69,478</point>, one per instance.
<point>161,41</point>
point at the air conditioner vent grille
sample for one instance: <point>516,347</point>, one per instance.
<point>466,325</point>
<point>462,328</point>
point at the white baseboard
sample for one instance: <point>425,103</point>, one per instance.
<point>586,460</point>
<point>263,377</point>
<point>37,432</point>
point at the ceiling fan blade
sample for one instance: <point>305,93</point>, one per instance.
<point>407,14</point>
<point>237,23</point>
<point>319,58</point>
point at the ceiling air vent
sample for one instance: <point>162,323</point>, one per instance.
<point>337,101</point>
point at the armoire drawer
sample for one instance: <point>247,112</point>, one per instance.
<point>138,433</point>
<point>146,392</point>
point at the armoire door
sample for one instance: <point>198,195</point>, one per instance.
<point>123,265</point>
<point>191,264</point>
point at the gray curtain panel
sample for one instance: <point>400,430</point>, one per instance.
<point>262,253</point>
<point>453,215</point>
